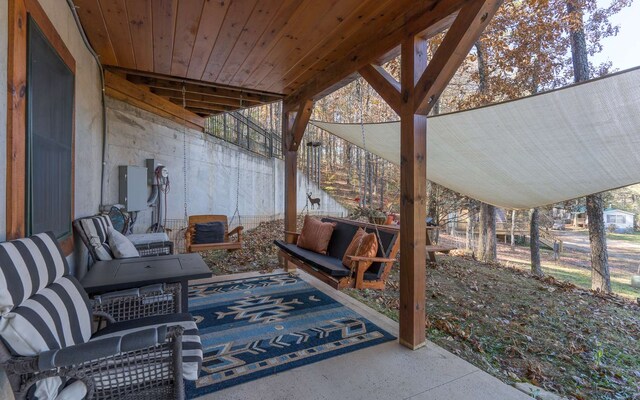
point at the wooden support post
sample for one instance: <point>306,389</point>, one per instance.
<point>413,180</point>
<point>294,122</point>
<point>290,171</point>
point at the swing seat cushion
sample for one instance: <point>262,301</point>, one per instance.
<point>210,232</point>
<point>327,264</point>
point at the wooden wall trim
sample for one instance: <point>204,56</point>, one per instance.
<point>139,96</point>
<point>37,13</point>
<point>16,120</point>
<point>17,113</point>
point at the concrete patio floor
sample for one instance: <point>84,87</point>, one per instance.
<point>385,371</point>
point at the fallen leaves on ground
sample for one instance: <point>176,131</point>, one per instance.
<point>571,341</point>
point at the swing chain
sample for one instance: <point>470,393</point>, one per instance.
<point>237,210</point>
<point>184,153</point>
<point>364,147</point>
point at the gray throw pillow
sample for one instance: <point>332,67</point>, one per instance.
<point>121,246</point>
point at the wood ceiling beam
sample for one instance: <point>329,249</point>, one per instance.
<point>300,124</point>
<point>203,113</point>
<point>225,101</point>
<point>138,96</point>
<point>383,83</point>
<point>232,91</point>
<point>426,18</point>
<point>463,33</point>
<point>203,106</point>
<point>249,97</point>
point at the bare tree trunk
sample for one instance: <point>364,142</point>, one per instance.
<point>513,230</point>
<point>534,245</point>
<point>382,181</point>
<point>487,246</point>
<point>432,208</point>
<point>349,163</point>
<point>600,279</point>
<point>471,221</point>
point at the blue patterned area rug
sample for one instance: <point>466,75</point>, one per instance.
<point>251,328</point>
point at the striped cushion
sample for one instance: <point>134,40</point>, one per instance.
<point>27,266</point>
<point>191,345</point>
<point>97,230</point>
<point>55,317</point>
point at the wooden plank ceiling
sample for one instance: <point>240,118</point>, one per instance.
<point>230,54</point>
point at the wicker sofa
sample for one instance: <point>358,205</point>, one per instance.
<point>50,346</point>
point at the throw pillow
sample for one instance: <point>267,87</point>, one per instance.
<point>121,246</point>
<point>353,247</point>
<point>362,245</point>
<point>211,232</point>
<point>315,235</point>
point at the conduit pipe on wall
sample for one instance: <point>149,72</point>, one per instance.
<point>72,7</point>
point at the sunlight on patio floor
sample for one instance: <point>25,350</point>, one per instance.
<point>385,371</point>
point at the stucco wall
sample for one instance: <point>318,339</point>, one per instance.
<point>3,116</point>
<point>88,114</point>
<point>212,168</point>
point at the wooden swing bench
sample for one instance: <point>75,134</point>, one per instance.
<point>227,244</point>
<point>329,268</point>
<point>432,249</point>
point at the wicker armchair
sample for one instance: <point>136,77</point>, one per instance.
<point>151,361</point>
<point>93,233</point>
<point>48,345</point>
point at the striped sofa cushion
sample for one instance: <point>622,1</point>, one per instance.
<point>27,266</point>
<point>191,345</point>
<point>41,307</point>
<point>97,231</point>
<point>56,317</point>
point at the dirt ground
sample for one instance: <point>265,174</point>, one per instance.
<point>624,255</point>
<point>574,264</point>
<point>551,333</point>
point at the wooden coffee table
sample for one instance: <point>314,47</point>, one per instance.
<point>127,273</point>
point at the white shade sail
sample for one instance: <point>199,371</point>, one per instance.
<point>538,150</point>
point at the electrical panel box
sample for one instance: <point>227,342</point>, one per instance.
<point>133,187</point>
<point>152,164</point>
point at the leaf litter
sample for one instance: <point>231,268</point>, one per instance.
<point>517,327</point>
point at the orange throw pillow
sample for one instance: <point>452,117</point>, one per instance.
<point>362,245</point>
<point>315,235</point>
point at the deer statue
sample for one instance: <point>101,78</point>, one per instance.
<point>313,200</point>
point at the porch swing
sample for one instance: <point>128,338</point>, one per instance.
<point>364,272</point>
<point>206,227</point>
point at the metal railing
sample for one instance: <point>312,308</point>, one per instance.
<point>240,129</point>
